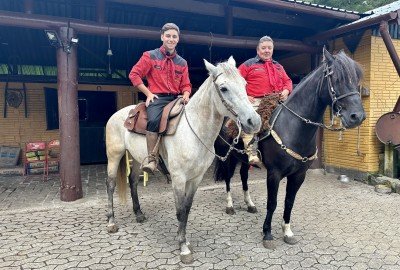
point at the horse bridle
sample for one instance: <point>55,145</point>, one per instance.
<point>230,109</point>
<point>332,93</point>
<point>226,104</point>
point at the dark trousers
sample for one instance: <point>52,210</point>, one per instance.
<point>155,109</point>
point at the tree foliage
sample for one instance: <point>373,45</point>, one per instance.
<point>354,5</point>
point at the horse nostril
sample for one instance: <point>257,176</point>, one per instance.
<point>357,116</point>
<point>249,122</point>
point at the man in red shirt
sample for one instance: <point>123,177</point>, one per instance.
<point>264,76</point>
<point>167,76</point>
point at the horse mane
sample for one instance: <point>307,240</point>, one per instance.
<point>346,69</point>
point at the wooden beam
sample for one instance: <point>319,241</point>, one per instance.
<point>218,10</point>
<point>384,31</point>
<point>124,31</point>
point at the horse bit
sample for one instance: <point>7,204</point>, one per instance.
<point>230,109</point>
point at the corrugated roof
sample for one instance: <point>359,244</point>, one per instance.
<point>384,9</point>
<point>305,3</point>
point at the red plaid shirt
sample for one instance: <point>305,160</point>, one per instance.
<point>264,78</point>
<point>165,74</point>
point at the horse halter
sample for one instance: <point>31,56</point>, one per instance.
<point>332,93</point>
<point>226,104</point>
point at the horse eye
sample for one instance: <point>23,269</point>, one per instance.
<point>224,89</point>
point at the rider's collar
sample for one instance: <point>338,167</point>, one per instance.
<point>166,53</point>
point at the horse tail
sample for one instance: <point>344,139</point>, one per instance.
<point>121,179</point>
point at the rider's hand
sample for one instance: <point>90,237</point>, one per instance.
<point>284,94</point>
<point>251,99</point>
<point>186,97</point>
<point>150,98</point>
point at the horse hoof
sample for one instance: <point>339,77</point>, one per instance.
<point>269,244</point>
<point>141,218</point>
<point>187,258</point>
<point>290,240</point>
<point>230,211</point>
<point>252,209</point>
<point>112,228</point>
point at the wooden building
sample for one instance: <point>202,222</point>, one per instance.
<point>68,89</point>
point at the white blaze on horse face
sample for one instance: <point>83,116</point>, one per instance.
<point>286,229</point>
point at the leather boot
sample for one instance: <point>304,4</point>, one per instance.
<point>152,139</point>
<point>252,153</point>
<point>251,149</point>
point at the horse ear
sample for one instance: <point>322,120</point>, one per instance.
<point>326,56</point>
<point>232,61</point>
<point>212,70</point>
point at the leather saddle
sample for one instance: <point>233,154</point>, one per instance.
<point>137,118</point>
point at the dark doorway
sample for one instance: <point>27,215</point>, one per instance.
<point>95,108</point>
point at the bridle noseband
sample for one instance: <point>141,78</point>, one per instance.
<point>328,75</point>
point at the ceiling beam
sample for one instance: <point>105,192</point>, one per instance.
<point>297,7</point>
<point>218,10</point>
<point>17,19</point>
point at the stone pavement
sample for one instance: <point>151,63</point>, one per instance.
<point>340,226</point>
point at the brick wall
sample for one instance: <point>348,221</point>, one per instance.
<point>16,130</point>
<point>359,149</point>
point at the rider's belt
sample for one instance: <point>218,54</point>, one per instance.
<point>165,94</point>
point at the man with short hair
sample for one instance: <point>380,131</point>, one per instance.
<point>264,76</point>
<point>167,76</point>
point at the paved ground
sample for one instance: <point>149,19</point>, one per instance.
<point>340,226</point>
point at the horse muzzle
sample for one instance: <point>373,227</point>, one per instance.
<point>353,119</point>
<point>251,124</point>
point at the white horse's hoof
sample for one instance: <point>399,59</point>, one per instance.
<point>291,240</point>
<point>112,228</point>
<point>230,211</point>
<point>269,244</point>
<point>252,209</point>
<point>187,258</point>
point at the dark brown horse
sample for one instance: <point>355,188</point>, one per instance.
<point>291,147</point>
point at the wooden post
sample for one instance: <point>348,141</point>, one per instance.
<point>388,166</point>
<point>67,66</point>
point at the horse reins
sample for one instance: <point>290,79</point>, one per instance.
<point>230,109</point>
<point>332,93</point>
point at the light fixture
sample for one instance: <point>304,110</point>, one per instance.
<point>53,38</point>
<point>55,41</point>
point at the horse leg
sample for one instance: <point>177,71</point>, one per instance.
<point>293,185</point>
<point>244,176</point>
<point>133,184</point>
<point>229,206</point>
<point>183,193</point>
<point>112,169</point>
<point>272,187</point>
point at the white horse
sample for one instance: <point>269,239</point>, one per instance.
<point>188,153</point>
